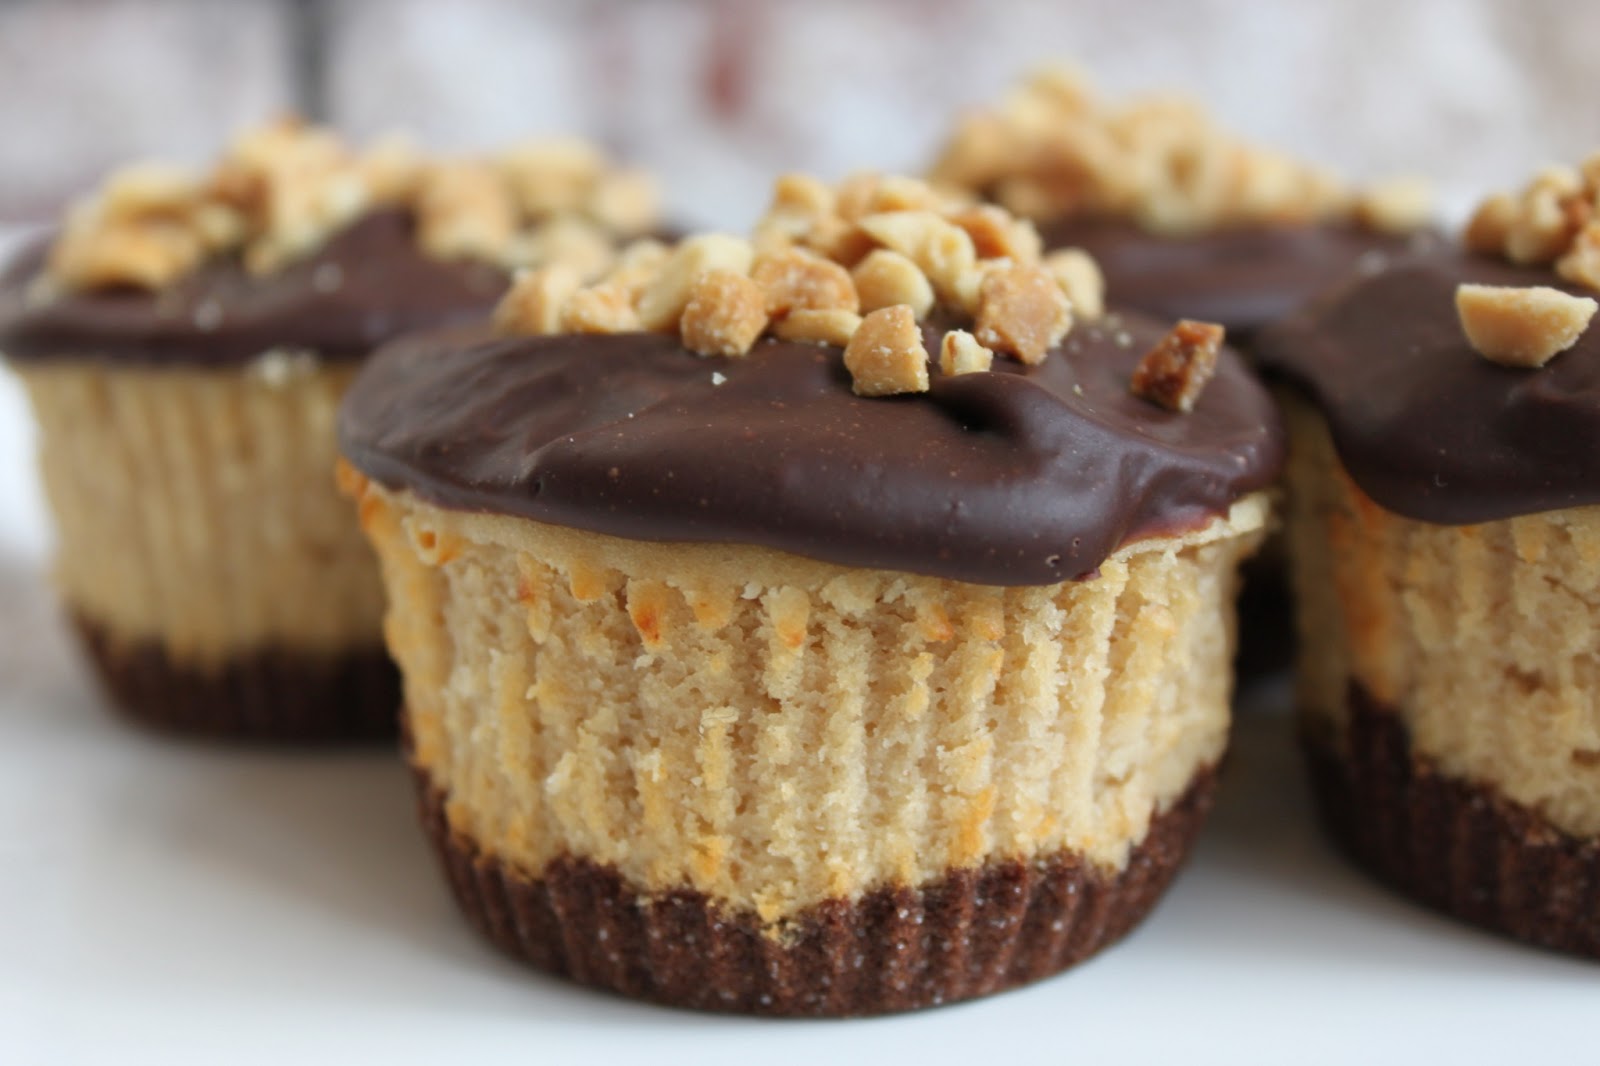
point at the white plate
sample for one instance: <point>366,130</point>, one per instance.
<point>172,903</point>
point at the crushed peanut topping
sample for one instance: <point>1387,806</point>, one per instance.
<point>960,353</point>
<point>1175,372</point>
<point>886,355</point>
<point>1053,148</point>
<point>725,314</point>
<point>858,267</point>
<point>1555,218</point>
<point>1521,327</point>
<point>1022,310</point>
<point>282,190</point>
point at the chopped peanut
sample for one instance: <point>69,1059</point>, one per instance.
<point>1398,205</point>
<point>283,189</point>
<point>1521,327</point>
<point>886,355</point>
<point>834,327</point>
<point>464,211</point>
<point>725,314</point>
<point>146,255</point>
<point>1176,370</point>
<point>1079,277</point>
<point>1047,152</point>
<point>551,176</point>
<point>960,353</point>
<point>599,309</point>
<point>535,303</point>
<point>637,265</point>
<point>624,201</point>
<point>886,278</point>
<point>796,279</point>
<point>1581,262</point>
<point>1022,310</point>
<point>662,302</point>
<point>564,239</point>
<point>941,249</point>
<point>1491,224</point>
<point>996,234</point>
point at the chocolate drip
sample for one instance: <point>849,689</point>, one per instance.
<point>1426,426</point>
<point>1021,476</point>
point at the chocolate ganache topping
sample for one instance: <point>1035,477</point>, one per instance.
<point>1019,476</point>
<point>1426,426</point>
<point>1242,277</point>
<point>369,283</point>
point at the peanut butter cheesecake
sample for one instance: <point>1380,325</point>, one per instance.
<point>1445,533</point>
<point>1186,220</point>
<point>185,340</point>
<point>832,622</point>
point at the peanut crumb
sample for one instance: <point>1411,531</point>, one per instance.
<point>1521,327</point>
<point>1395,206</point>
<point>662,302</point>
<point>725,314</point>
<point>996,234</point>
<point>941,249</point>
<point>601,308</point>
<point>464,211</point>
<point>1079,277</point>
<point>886,355</point>
<point>886,278</point>
<point>834,327</point>
<point>1580,263</point>
<point>960,353</point>
<point>1175,372</point>
<point>796,279</point>
<point>1022,310</point>
<point>534,304</point>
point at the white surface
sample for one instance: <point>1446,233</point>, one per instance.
<point>168,903</point>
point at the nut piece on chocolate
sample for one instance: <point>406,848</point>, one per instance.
<point>1176,370</point>
<point>1521,327</point>
<point>886,356</point>
<point>1054,148</point>
<point>282,190</point>
<point>960,353</point>
<point>1552,219</point>
<point>725,314</point>
<point>1080,278</point>
<point>893,247</point>
<point>1022,310</point>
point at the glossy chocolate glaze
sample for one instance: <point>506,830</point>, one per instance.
<point>1021,476</point>
<point>1425,425</point>
<point>366,285</point>
<point>1241,277</point>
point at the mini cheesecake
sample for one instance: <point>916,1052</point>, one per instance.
<point>1186,220</point>
<point>822,625</point>
<point>1445,531</point>
<point>185,341</point>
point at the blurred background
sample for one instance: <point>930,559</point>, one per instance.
<point>718,94</point>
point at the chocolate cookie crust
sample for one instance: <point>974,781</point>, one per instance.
<point>971,933</point>
<point>273,695</point>
<point>1455,846</point>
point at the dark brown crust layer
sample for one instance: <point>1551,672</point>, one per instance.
<point>969,934</point>
<point>1458,847</point>
<point>272,696</point>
